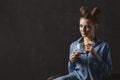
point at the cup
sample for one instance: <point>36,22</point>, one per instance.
<point>80,48</point>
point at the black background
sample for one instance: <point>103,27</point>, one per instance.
<point>35,35</point>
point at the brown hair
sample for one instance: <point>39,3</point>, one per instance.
<point>92,15</point>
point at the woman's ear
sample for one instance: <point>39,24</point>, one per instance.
<point>96,26</point>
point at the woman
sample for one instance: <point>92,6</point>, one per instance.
<point>92,61</point>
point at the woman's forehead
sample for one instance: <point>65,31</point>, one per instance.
<point>83,20</point>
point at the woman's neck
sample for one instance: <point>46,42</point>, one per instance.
<point>88,40</point>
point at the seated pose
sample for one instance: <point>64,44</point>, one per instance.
<point>89,57</point>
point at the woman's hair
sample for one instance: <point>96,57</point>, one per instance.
<point>92,15</point>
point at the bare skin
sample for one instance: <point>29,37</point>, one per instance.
<point>87,30</point>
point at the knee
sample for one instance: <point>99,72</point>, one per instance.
<point>53,77</point>
<point>59,78</point>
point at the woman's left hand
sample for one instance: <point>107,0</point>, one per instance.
<point>89,48</point>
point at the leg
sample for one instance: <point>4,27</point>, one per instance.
<point>70,76</point>
<point>53,77</point>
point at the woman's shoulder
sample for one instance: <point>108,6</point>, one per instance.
<point>76,41</point>
<point>104,42</point>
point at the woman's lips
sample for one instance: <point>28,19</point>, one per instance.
<point>83,33</point>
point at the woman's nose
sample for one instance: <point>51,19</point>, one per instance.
<point>84,29</point>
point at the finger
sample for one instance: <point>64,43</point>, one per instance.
<point>73,52</point>
<point>77,54</point>
<point>74,57</point>
<point>89,44</point>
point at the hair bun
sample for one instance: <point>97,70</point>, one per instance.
<point>95,11</point>
<point>83,10</point>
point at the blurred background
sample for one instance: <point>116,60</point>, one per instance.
<point>35,35</point>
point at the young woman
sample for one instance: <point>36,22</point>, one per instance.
<point>92,61</point>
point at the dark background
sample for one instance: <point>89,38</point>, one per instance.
<point>35,35</point>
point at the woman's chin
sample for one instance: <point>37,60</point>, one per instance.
<point>84,35</point>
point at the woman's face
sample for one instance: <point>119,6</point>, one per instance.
<point>87,28</point>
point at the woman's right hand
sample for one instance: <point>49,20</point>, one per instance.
<point>74,56</point>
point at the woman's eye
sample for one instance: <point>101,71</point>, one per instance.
<point>88,27</point>
<point>81,26</point>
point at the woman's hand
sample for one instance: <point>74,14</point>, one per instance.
<point>74,56</point>
<point>89,48</point>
